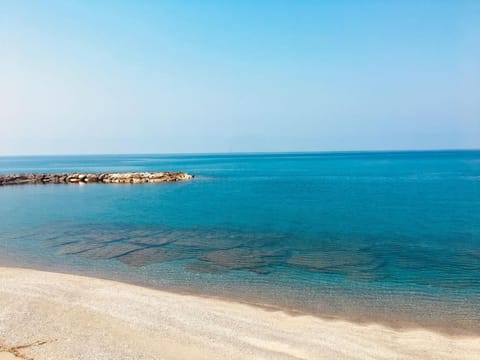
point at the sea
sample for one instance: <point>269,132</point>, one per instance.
<point>375,237</point>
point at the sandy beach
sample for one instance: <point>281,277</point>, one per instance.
<point>57,316</point>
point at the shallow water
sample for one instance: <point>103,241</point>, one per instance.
<point>390,237</point>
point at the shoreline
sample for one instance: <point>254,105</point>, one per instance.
<point>393,321</point>
<point>392,313</point>
<point>81,317</point>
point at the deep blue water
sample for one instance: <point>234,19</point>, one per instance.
<point>391,237</point>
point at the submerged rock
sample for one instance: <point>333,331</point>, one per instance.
<point>214,240</point>
<point>322,260</point>
<point>255,260</point>
<point>110,251</point>
<point>356,266</point>
<point>204,267</point>
<point>154,255</point>
<point>76,247</point>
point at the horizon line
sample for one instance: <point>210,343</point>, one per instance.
<point>251,152</point>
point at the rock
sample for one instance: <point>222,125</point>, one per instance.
<point>91,178</point>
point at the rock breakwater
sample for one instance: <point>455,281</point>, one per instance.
<point>88,178</point>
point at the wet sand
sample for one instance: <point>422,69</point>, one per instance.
<point>57,316</point>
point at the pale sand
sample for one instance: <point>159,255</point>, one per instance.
<point>86,318</point>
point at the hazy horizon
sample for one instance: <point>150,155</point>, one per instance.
<point>248,153</point>
<point>213,77</point>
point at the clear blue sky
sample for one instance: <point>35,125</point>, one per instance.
<point>221,76</point>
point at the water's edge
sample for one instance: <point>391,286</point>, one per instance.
<point>398,324</point>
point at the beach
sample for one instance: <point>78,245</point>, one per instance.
<point>73,317</point>
<point>240,180</point>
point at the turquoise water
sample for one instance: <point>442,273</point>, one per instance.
<point>392,237</point>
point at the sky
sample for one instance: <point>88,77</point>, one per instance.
<point>105,77</point>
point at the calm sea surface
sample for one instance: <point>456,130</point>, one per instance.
<point>392,237</point>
